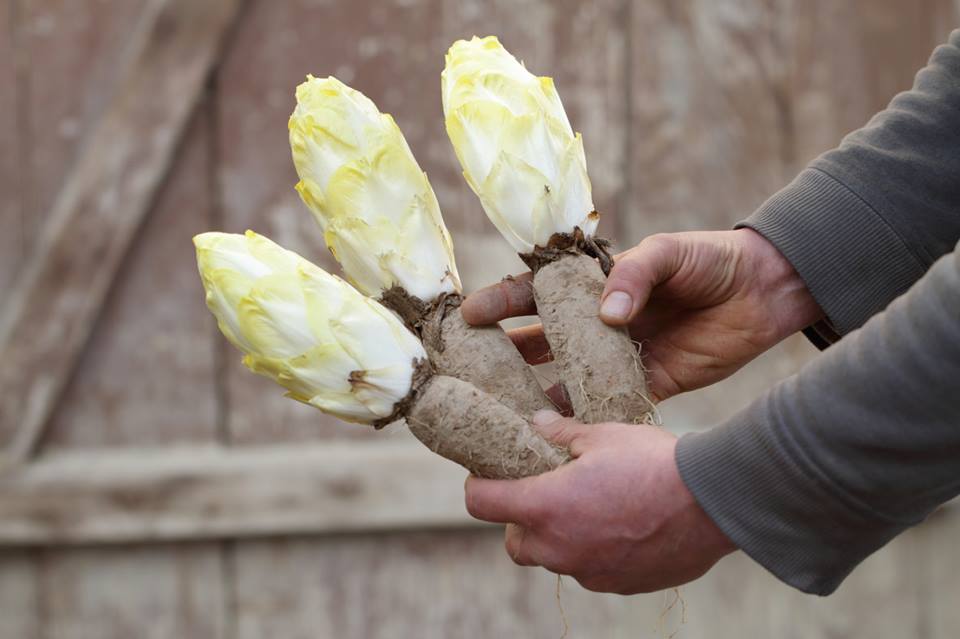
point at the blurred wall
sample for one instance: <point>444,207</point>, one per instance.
<point>692,111</point>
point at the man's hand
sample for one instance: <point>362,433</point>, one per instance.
<point>618,517</point>
<point>702,304</point>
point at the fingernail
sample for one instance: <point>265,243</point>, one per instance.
<point>617,306</point>
<point>544,417</point>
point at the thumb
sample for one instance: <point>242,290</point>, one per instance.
<point>560,430</point>
<point>635,274</point>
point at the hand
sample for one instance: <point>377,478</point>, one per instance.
<point>618,517</point>
<point>702,304</point>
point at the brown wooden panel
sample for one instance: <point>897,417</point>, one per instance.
<point>210,492</point>
<point>73,52</point>
<point>394,53</point>
<point>939,567</point>
<point>461,584</point>
<point>424,585</point>
<point>11,216</point>
<point>76,53</point>
<point>19,595</point>
<point>153,592</point>
<point>51,312</point>
<point>706,113</point>
<point>147,375</point>
<point>850,58</point>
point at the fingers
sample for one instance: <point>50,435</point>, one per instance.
<point>510,298</point>
<point>635,274</point>
<point>531,343</point>
<point>517,541</point>
<point>501,501</point>
<point>527,548</point>
<point>562,431</point>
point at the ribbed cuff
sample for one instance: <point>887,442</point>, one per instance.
<point>852,261</point>
<point>775,510</point>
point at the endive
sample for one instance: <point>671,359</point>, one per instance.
<point>381,220</point>
<point>516,146</point>
<point>379,215</point>
<point>309,331</point>
<point>524,161</point>
<point>344,353</point>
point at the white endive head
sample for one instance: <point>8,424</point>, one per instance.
<point>310,331</point>
<point>515,144</point>
<point>379,215</point>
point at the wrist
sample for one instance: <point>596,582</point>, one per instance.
<point>778,286</point>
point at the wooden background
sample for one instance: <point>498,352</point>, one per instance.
<point>152,487</point>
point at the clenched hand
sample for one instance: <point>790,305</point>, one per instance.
<point>702,304</point>
<point>618,517</point>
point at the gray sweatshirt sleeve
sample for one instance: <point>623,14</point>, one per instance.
<point>865,221</point>
<point>865,441</point>
<point>837,460</point>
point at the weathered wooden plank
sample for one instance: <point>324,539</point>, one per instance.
<point>209,492</point>
<point>461,584</point>
<point>11,215</point>
<point>51,312</point>
<point>74,52</point>
<point>154,592</point>
<point>147,375</point>
<point>706,117</point>
<point>938,566</point>
<point>849,59</point>
<point>19,595</point>
<point>424,585</point>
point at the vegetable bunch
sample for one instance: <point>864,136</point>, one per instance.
<point>393,344</point>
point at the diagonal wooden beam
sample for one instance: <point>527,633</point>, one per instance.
<point>53,307</point>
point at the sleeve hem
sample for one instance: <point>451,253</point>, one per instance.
<point>852,261</point>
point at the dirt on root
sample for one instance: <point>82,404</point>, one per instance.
<point>457,421</point>
<point>598,364</point>
<point>481,355</point>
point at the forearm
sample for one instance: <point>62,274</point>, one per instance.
<point>863,222</point>
<point>836,461</point>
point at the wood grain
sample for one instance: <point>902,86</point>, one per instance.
<point>314,586</point>
<point>153,592</point>
<point>426,585</point>
<point>209,492</point>
<point>65,93</point>
<point>20,614</point>
<point>12,231</point>
<point>707,102</point>
<point>849,60</point>
<point>937,568</point>
<point>147,374</point>
<point>51,312</point>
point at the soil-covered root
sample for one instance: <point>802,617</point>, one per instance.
<point>456,420</point>
<point>485,357</point>
<point>598,364</point>
<point>481,355</point>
